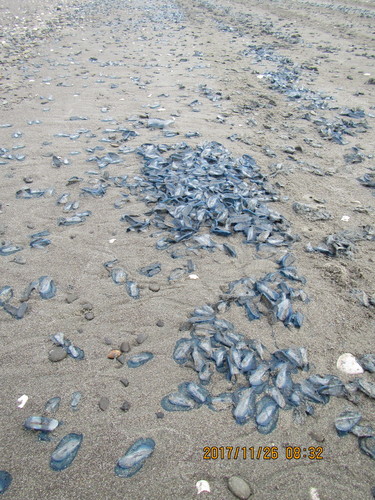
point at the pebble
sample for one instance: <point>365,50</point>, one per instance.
<point>107,341</point>
<point>87,307</point>
<point>160,323</point>
<point>239,487</point>
<point>125,406</point>
<point>124,382</point>
<point>28,180</point>
<point>57,354</point>
<point>121,359</point>
<point>125,346</point>
<point>159,414</point>
<point>71,297</point>
<point>141,338</point>
<point>89,315</point>
<point>104,403</point>
<point>153,287</point>
<point>319,438</point>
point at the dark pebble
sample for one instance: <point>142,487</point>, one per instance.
<point>319,438</point>
<point>141,338</point>
<point>103,403</point>
<point>125,406</point>
<point>124,382</point>
<point>159,414</point>
<point>125,346</point>
<point>107,341</point>
<point>57,354</point>
<point>160,323</point>
<point>154,287</point>
<point>121,359</point>
<point>87,307</point>
<point>71,297</point>
<point>89,316</point>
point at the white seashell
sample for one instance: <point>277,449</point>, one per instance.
<point>345,218</point>
<point>193,276</point>
<point>314,494</point>
<point>112,240</point>
<point>203,485</point>
<point>22,401</point>
<point>348,364</point>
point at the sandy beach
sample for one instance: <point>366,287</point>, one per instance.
<point>290,83</point>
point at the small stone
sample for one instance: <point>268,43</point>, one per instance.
<point>87,307</point>
<point>28,180</point>
<point>57,354</point>
<point>239,487</point>
<point>124,381</point>
<point>113,353</point>
<point>160,323</point>
<point>103,403</point>
<point>125,406</point>
<point>125,346</point>
<point>159,414</point>
<point>107,341</point>
<point>19,260</point>
<point>89,315</point>
<point>153,287</point>
<point>141,338</point>
<point>319,438</point>
<point>71,297</point>
<point>121,359</point>
<point>30,226</point>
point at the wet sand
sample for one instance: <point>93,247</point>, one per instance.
<point>119,60</point>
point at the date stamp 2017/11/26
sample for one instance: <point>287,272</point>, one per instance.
<point>262,453</point>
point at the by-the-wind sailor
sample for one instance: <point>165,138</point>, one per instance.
<point>9,249</point>
<point>41,424</point>
<point>132,289</point>
<point>139,359</point>
<point>66,451</point>
<point>176,401</point>
<point>6,293</point>
<point>346,421</point>
<point>5,480</point>
<point>367,446</point>
<point>47,287</point>
<point>75,400</point>
<point>118,275</point>
<point>135,457</point>
<point>52,405</point>
<point>267,414</point>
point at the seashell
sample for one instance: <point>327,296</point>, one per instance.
<point>347,363</point>
<point>66,451</point>
<point>5,481</point>
<point>114,353</point>
<point>202,486</point>
<point>41,424</point>
<point>139,359</point>
<point>135,457</point>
